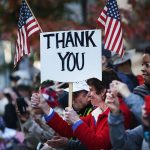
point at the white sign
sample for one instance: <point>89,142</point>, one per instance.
<point>70,56</point>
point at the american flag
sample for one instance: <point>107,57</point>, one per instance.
<point>27,25</point>
<point>109,19</point>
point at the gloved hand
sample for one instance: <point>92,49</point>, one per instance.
<point>71,116</point>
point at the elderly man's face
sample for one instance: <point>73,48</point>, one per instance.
<point>80,100</point>
<point>146,68</point>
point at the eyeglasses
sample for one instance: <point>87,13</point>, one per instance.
<point>147,65</point>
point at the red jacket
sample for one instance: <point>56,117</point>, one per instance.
<point>94,136</point>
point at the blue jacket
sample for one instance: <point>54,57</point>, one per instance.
<point>121,139</point>
<point>135,102</point>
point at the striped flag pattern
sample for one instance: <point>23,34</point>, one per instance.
<point>27,25</point>
<point>109,20</point>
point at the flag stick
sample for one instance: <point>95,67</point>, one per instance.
<point>70,94</point>
<point>96,26</point>
<point>34,16</point>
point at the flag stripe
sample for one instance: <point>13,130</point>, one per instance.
<point>17,53</point>
<point>25,50</point>
<point>116,28</point>
<point>107,29</point>
<point>110,33</point>
<point>102,19</point>
<point>33,30</point>
<point>120,45</point>
<point>23,41</point>
<point>118,42</point>
<point>31,24</point>
<point>29,19</point>
<point>117,36</point>
<point>27,42</point>
<point>20,44</point>
<point>122,53</point>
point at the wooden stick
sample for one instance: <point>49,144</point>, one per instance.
<point>34,17</point>
<point>70,94</point>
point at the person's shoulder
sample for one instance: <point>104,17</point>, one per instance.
<point>141,90</point>
<point>143,86</point>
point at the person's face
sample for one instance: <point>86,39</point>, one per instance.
<point>146,68</point>
<point>24,93</point>
<point>80,100</point>
<point>94,97</point>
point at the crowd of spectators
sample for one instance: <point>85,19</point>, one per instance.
<point>110,114</point>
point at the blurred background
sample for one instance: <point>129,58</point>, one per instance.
<point>57,15</point>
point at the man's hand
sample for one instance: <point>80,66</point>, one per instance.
<point>121,88</point>
<point>71,116</point>
<point>112,102</point>
<point>35,100</point>
<point>38,102</point>
<point>58,142</point>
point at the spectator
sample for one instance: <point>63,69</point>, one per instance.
<point>135,99</point>
<point>130,139</point>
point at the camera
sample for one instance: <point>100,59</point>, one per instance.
<point>22,105</point>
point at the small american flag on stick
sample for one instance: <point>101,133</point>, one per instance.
<point>27,25</point>
<point>109,20</point>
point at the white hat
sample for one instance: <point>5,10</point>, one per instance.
<point>79,86</point>
<point>22,74</point>
<point>117,60</point>
<point>24,82</point>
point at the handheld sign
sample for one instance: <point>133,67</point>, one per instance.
<point>70,56</point>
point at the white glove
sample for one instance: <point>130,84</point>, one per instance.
<point>71,116</point>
